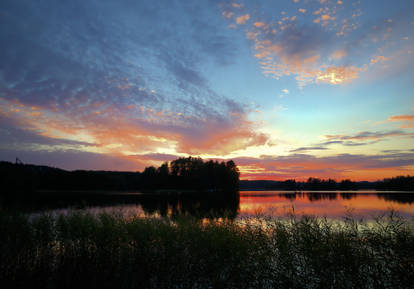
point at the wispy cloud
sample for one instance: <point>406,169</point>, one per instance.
<point>302,166</point>
<point>116,81</point>
<point>406,119</point>
<point>367,135</point>
<point>305,149</point>
<point>409,118</point>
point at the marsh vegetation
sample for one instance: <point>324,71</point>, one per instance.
<point>109,250</point>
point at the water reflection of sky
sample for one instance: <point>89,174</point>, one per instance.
<point>333,205</point>
<point>330,204</point>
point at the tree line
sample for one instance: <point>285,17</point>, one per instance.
<point>181,174</point>
<point>192,173</point>
<point>189,173</point>
<point>400,183</point>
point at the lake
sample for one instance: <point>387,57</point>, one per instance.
<point>332,204</point>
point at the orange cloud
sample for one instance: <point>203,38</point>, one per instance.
<point>123,133</point>
<point>259,24</point>
<point>242,19</point>
<point>379,58</point>
<point>409,119</point>
<point>325,17</point>
<point>402,118</point>
<point>302,10</point>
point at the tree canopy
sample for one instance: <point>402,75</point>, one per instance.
<point>193,173</point>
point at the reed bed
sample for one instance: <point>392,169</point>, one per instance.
<point>109,250</point>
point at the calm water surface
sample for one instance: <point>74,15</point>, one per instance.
<point>333,205</point>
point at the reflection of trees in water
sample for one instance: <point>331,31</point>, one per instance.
<point>289,196</point>
<point>321,196</point>
<point>402,198</point>
<point>348,196</point>
<point>199,206</point>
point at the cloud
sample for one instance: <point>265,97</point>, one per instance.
<point>379,58</point>
<point>333,46</point>
<point>302,166</point>
<point>338,75</point>
<point>298,50</point>
<point>242,19</point>
<point>118,79</point>
<point>408,120</point>
<point>227,14</point>
<point>259,24</point>
<point>303,149</point>
<point>338,54</point>
<point>367,135</point>
<point>13,136</point>
<point>73,159</point>
<point>156,157</point>
<point>134,129</point>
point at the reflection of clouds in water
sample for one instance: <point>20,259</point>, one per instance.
<point>266,205</point>
<point>367,205</point>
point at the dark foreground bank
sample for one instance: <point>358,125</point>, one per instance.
<point>80,250</point>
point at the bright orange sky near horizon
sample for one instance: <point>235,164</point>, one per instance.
<point>287,89</point>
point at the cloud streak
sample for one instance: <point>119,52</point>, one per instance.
<point>302,166</point>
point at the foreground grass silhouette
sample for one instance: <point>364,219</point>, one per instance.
<point>80,250</point>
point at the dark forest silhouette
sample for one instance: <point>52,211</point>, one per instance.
<point>400,183</point>
<point>181,174</point>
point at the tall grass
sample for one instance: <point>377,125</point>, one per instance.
<point>109,250</point>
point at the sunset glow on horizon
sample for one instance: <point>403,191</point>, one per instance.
<point>287,89</point>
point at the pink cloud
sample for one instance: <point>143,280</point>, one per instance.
<point>136,129</point>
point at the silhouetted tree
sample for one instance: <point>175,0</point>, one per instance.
<point>400,183</point>
<point>195,174</point>
<point>347,185</point>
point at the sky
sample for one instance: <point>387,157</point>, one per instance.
<point>287,89</point>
